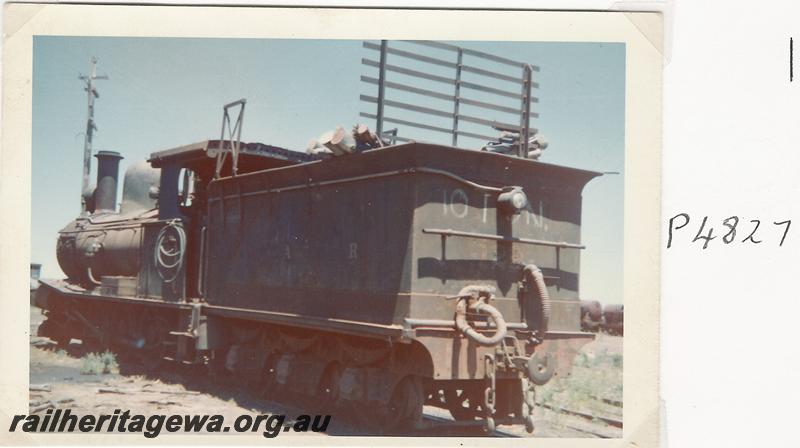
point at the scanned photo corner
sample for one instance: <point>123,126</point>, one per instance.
<point>319,225</point>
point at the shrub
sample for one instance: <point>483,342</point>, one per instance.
<point>94,363</point>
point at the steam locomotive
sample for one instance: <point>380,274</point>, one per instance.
<point>375,282</point>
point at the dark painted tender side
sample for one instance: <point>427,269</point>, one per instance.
<point>353,241</point>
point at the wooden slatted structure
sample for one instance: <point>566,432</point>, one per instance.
<point>455,90</point>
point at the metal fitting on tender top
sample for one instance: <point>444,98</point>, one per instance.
<point>474,298</point>
<point>512,200</point>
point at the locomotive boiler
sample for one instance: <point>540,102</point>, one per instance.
<point>368,283</point>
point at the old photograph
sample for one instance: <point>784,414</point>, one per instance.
<point>329,237</point>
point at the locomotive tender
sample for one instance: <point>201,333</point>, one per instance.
<point>373,282</point>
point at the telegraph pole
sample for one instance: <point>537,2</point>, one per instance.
<point>91,91</point>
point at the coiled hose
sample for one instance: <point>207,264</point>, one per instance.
<point>533,276</point>
<point>177,254</point>
<point>470,299</point>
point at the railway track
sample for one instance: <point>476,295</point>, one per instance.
<point>595,425</point>
<point>435,426</point>
<point>592,423</point>
<point>591,417</point>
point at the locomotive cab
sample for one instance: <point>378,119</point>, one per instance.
<point>186,172</point>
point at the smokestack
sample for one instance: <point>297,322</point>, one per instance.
<point>105,196</point>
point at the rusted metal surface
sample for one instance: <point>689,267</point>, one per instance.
<point>283,248</point>
<point>104,246</point>
<point>65,289</point>
<point>277,249</point>
<point>286,250</point>
<point>475,300</point>
<point>459,357</point>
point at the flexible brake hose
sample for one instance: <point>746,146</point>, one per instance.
<point>533,276</point>
<point>469,300</point>
<point>177,253</point>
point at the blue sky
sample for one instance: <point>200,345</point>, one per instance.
<point>166,92</point>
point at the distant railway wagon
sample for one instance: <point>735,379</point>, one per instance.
<point>591,315</point>
<point>613,319</point>
<point>372,275</point>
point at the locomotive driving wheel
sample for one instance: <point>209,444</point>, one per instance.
<point>55,328</point>
<point>155,332</point>
<point>122,336</point>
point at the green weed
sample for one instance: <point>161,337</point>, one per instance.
<point>95,364</point>
<point>594,377</point>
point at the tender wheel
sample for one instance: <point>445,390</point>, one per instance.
<point>155,343</point>
<point>270,387</point>
<point>404,408</point>
<point>215,366</point>
<point>462,404</point>
<point>328,389</point>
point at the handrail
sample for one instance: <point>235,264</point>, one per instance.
<point>507,239</point>
<point>312,184</point>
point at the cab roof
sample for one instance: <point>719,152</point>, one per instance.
<point>203,150</point>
